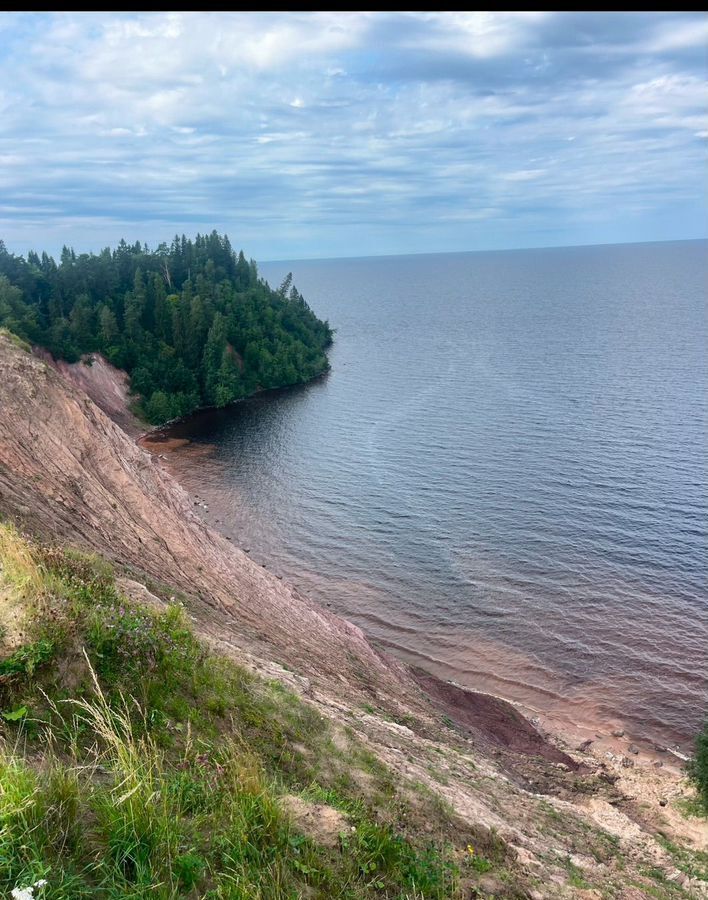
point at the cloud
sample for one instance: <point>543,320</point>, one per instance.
<point>337,133</point>
<point>523,175</point>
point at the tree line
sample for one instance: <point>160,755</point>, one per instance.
<point>191,322</point>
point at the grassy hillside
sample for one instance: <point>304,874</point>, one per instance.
<point>136,763</point>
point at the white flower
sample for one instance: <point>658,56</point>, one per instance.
<point>28,892</point>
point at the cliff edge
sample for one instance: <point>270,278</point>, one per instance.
<point>571,824</point>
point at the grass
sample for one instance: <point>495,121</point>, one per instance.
<point>17,341</point>
<point>662,888</point>
<point>693,862</point>
<point>690,807</point>
<point>143,765</point>
<point>18,567</point>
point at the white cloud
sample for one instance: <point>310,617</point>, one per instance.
<point>163,120</point>
<point>523,175</point>
<point>483,35</point>
<point>679,36</point>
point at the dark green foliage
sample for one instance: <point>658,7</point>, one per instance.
<point>25,660</point>
<point>192,322</point>
<point>698,767</point>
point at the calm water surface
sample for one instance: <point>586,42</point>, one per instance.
<point>504,476</point>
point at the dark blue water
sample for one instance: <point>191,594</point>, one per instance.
<point>504,476</point>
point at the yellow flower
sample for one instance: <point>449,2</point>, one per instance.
<point>470,849</point>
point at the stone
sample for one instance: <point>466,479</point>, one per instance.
<point>633,749</point>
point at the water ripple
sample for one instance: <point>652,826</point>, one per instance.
<point>504,475</point>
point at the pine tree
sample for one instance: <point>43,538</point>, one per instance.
<point>192,323</point>
<point>213,357</point>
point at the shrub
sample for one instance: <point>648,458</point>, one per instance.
<point>698,767</point>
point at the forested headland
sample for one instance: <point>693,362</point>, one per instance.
<point>191,322</point>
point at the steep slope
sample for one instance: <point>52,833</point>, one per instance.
<point>573,825</point>
<point>67,471</point>
<point>106,385</point>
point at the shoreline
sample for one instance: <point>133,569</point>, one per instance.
<point>611,733</point>
<point>104,382</point>
<point>156,434</point>
<point>605,740</point>
<point>613,741</point>
<point>546,805</point>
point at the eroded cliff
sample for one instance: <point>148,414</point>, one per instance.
<point>70,475</point>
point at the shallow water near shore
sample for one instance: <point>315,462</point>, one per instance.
<point>503,479</point>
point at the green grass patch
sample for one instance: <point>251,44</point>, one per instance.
<point>144,766</point>
<point>17,341</point>
<point>576,877</point>
<point>693,862</point>
<point>689,807</point>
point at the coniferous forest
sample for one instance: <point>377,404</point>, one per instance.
<point>191,322</point>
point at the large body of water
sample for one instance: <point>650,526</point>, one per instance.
<point>504,476</point>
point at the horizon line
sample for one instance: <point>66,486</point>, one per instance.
<point>496,250</point>
<point>355,256</point>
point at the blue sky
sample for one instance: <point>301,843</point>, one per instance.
<point>347,134</point>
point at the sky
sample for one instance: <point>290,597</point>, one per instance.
<point>305,135</point>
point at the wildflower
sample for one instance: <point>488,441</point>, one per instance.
<point>470,849</point>
<point>28,892</point>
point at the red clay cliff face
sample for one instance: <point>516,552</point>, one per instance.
<point>108,387</point>
<point>68,472</point>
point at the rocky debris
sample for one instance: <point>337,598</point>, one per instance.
<point>633,749</point>
<point>618,732</point>
<point>138,593</point>
<point>324,824</point>
<point>493,722</point>
<point>674,751</point>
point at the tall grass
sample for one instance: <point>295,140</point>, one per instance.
<point>19,570</point>
<point>146,766</point>
<point>125,821</point>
